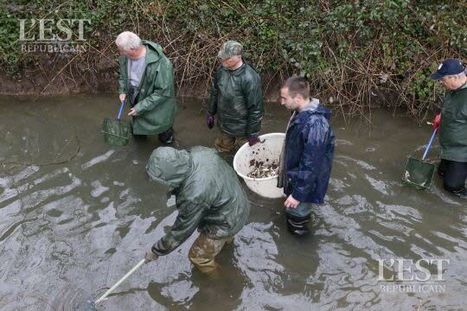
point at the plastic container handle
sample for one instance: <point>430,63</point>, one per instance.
<point>119,115</point>
<point>429,144</point>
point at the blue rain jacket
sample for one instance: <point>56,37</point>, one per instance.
<point>309,150</point>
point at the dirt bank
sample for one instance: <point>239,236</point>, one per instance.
<point>40,81</point>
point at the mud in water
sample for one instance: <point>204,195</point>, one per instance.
<point>77,214</point>
<point>261,169</point>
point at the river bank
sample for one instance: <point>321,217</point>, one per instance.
<point>356,53</point>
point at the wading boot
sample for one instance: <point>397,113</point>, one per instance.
<point>167,137</point>
<point>298,225</point>
<point>461,193</point>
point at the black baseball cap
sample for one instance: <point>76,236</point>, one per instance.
<point>449,67</point>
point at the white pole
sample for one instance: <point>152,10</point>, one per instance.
<point>120,281</point>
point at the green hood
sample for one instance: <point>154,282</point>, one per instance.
<point>209,196</point>
<point>169,166</point>
<point>154,51</point>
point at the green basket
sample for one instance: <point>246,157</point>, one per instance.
<point>418,173</point>
<point>116,132</point>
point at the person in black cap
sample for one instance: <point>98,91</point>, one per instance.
<point>452,124</point>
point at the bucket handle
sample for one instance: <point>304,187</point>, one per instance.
<point>119,115</point>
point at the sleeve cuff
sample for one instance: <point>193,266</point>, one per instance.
<point>156,250</point>
<point>298,195</point>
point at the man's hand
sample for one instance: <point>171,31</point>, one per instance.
<point>291,202</point>
<point>437,121</point>
<point>150,256</point>
<point>209,120</point>
<point>253,140</point>
<point>122,97</point>
<point>132,112</point>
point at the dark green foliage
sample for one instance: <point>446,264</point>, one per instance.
<point>352,51</point>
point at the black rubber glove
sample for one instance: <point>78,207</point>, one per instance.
<point>209,120</point>
<point>150,256</point>
<point>253,140</point>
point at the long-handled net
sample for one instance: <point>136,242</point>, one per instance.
<point>419,173</point>
<point>116,132</point>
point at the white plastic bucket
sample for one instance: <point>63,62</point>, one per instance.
<point>269,151</point>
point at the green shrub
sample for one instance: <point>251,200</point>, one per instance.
<point>350,50</point>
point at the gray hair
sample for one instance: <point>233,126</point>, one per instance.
<point>128,40</point>
<point>457,76</point>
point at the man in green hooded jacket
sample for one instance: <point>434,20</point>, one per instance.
<point>146,82</point>
<point>209,198</point>
<point>236,99</point>
<point>452,123</point>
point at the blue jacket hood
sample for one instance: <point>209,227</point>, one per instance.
<point>315,107</point>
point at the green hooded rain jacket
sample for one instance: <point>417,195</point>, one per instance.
<point>156,104</point>
<point>208,194</point>
<point>453,128</point>
<point>237,100</point>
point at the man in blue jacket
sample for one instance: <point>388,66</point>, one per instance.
<point>307,156</point>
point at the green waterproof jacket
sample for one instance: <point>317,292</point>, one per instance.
<point>208,194</point>
<point>156,103</point>
<point>453,128</point>
<point>237,100</point>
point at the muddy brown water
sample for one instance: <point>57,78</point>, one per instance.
<point>77,214</point>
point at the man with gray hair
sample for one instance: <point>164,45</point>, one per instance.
<point>452,123</point>
<point>146,82</point>
<point>236,99</point>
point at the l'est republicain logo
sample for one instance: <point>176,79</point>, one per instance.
<point>46,35</point>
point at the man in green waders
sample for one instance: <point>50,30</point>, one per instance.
<point>146,83</point>
<point>452,123</point>
<point>236,99</point>
<point>209,198</point>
